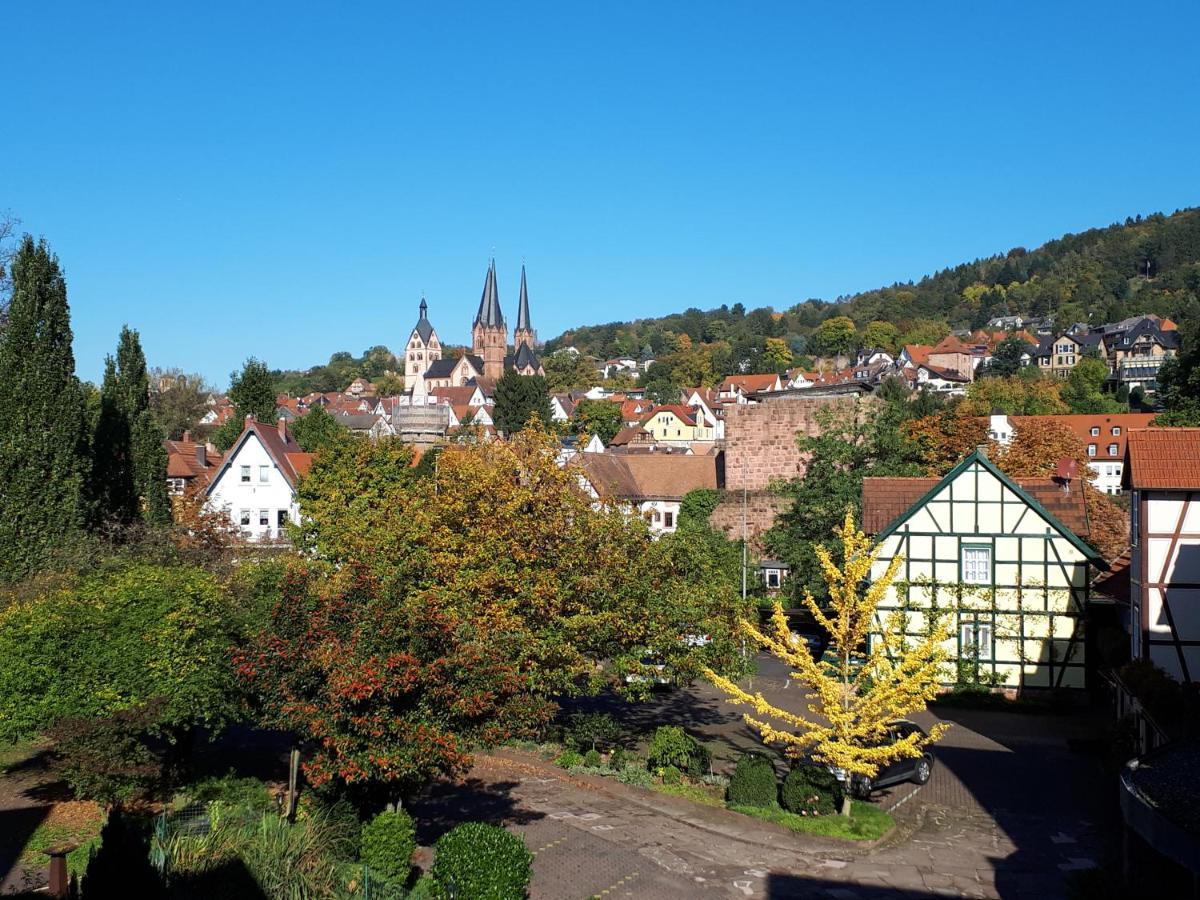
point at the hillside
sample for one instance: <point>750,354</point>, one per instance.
<point>1143,265</point>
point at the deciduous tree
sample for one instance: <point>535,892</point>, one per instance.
<point>599,417</point>
<point>851,700</point>
<point>316,429</point>
<point>252,393</point>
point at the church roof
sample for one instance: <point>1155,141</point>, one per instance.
<point>444,367</point>
<point>523,306</point>
<point>489,314</point>
<point>424,328</point>
<point>526,357</point>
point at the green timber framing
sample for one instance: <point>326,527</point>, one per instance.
<point>959,519</point>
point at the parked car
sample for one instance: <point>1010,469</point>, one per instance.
<point>813,640</point>
<point>915,769</point>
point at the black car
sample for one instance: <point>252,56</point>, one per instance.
<point>914,769</point>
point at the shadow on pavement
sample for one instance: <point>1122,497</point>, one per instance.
<point>473,800</point>
<point>16,827</point>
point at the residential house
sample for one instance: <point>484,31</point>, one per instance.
<point>709,409</point>
<point>953,355</point>
<point>1004,558</point>
<point>1058,354</point>
<point>255,482</point>
<point>741,388</point>
<point>950,382</point>
<point>1104,437</point>
<point>562,407</point>
<point>678,425</point>
<point>189,463</point>
<point>1136,348</point>
<point>1162,473</point>
<point>652,485</point>
<point>914,355</point>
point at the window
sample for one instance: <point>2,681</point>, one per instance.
<point>281,518</point>
<point>771,578</point>
<point>264,518</point>
<point>976,640</point>
<point>1112,449</point>
<point>244,518</point>
<point>1091,449</point>
<point>1116,431</point>
<point>1095,431</point>
<point>264,474</point>
<point>977,565</point>
<point>668,520</point>
<point>245,474</point>
<point>176,485</point>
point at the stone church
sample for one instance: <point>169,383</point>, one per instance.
<point>425,369</point>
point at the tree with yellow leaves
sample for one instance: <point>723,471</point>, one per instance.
<point>854,696</point>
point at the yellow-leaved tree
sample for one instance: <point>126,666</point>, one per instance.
<point>854,693</point>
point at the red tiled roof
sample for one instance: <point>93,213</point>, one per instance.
<point>681,412</point>
<point>280,446</point>
<point>629,435</point>
<point>648,475</point>
<point>1163,458</point>
<point>950,344</point>
<point>918,353</point>
<point>182,461</point>
<point>749,382</point>
<point>884,500</point>
<point>1081,426</point>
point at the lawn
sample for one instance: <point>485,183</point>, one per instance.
<point>865,822</point>
<point>75,823</point>
<point>697,793</point>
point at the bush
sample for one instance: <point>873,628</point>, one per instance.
<point>388,842</point>
<point>671,775</point>
<point>232,790</point>
<point>476,861</point>
<point>592,758</point>
<point>812,790</point>
<point>111,759</point>
<point>672,746</point>
<point>635,775</point>
<point>569,758</point>
<point>590,730</point>
<point>618,759</point>
<point>753,782</point>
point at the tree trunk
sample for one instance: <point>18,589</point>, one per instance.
<point>846,801</point>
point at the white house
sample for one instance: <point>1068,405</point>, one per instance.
<point>650,484</point>
<point>255,483</point>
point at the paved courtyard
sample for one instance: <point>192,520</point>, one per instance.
<point>1010,812</point>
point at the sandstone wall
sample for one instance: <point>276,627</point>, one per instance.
<point>761,509</point>
<point>760,439</point>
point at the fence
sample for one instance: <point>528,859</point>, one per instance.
<point>1148,735</point>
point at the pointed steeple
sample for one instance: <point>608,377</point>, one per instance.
<point>523,307</point>
<point>489,314</point>
<point>424,327</point>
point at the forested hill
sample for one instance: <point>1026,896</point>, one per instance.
<point>1149,264</point>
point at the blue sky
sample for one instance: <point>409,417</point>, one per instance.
<point>284,179</point>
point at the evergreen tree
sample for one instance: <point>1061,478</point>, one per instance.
<point>252,393</point>
<point>42,433</point>
<point>517,398</point>
<point>129,463</point>
<point>316,429</point>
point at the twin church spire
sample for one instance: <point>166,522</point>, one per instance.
<point>489,335</point>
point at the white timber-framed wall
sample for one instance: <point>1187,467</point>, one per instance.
<point>1013,580</point>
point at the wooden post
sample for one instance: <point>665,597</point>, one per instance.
<point>293,776</point>
<point>59,882</point>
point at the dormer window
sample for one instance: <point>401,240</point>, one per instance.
<point>1116,431</point>
<point>1112,449</point>
<point>1095,431</point>
<point>1091,449</point>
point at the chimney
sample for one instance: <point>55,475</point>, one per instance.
<point>187,437</point>
<point>283,435</point>
<point>202,455</point>
<point>982,450</point>
<point>1065,472</point>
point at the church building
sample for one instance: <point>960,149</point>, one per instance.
<point>425,369</point>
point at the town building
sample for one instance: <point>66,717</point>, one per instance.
<point>651,485</point>
<point>423,349</point>
<point>255,482</point>
<point>1005,559</point>
<point>190,464</point>
<point>1162,474</point>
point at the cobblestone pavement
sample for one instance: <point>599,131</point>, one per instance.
<point>1010,812</point>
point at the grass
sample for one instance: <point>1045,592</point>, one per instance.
<point>83,830</point>
<point>697,793</point>
<point>12,755</point>
<point>865,822</point>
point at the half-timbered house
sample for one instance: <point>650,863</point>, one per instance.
<point>1003,560</point>
<point>1162,472</point>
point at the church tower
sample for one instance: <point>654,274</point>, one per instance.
<point>423,348</point>
<point>489,334</point>
<point>524,333</point>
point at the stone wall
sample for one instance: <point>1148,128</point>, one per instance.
<point>760,439</point>
<point>761,509</point>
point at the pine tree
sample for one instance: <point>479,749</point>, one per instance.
<point>517,398</point>
<point>42,422</point>
<point>851,699</point>
<point>129,464</point>
<point>252,393</point>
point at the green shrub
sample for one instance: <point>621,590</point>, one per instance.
<point>388,842</point>
<point>591,730</point>
<point>635,775</point>
<point>592,758</point>
<point>618,759</point>
<point>753,782</point>
<point>476,861</point>
<point>812,790</point>
<point>672,746</point>
<point>671,775</point>
<point>569,758</point>
<point>111,758</point>
<point>232,790</point>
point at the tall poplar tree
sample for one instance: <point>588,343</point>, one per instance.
<point>42,431</point>
<point>517,398</point>
<point>129,464</point>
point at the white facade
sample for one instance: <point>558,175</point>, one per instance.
<point>253,492</point>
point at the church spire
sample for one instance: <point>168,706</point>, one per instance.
<point>489,314</point>
<point>523,307</point>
